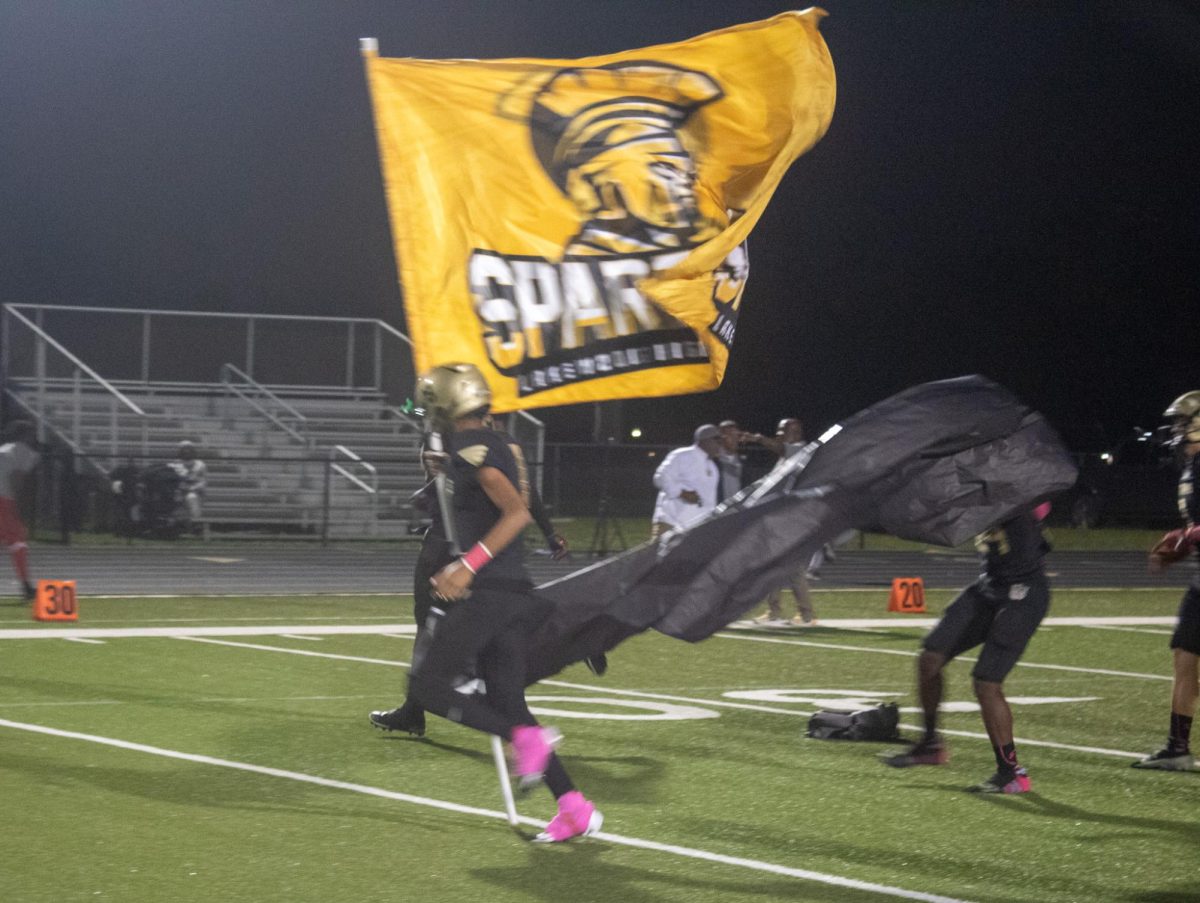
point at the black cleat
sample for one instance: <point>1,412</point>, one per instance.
<point>1167,759</point>
<point>597,664</point>
<point>30,592</point>
<point>399,720</point>
<point>924,752</point>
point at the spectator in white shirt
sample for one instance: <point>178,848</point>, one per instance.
<point>687,481</point>
<point>193,480</point>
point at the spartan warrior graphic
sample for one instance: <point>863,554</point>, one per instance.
<point>610,140</point>
<point>619,142</point>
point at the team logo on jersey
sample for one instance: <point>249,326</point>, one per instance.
<point>613,141</point>
<point>474,454</point>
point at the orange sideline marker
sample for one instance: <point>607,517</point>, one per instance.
<point>55,601</point>
<point>907,595</point>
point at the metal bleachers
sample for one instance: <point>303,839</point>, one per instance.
<point>348,470</point>
<point>303,436</point>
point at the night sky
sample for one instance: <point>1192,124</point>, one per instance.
<point>1009,188</point>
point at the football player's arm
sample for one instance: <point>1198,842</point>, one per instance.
<point>453,581</point>
<point>1174,546</point>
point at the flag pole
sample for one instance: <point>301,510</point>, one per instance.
<point>510,806</point>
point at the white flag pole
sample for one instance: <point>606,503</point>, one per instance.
<point>510,805</point>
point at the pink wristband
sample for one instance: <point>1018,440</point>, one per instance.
<point>477,557</point>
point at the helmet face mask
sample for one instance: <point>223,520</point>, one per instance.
<point>451,391</point>
<point>1183,417</point>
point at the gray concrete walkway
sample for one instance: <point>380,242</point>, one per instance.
<point>256,568</point>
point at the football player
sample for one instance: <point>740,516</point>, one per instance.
<point>486,631</point>
<point>17,459</point>
<point>1183,416</point>
<point>1001,611</point>
<point>435,554</point>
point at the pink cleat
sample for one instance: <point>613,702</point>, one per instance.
<point>1018,783</point>
<point>532,747</point>
<point>577,817</point>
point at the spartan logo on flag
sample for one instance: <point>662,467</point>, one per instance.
<point>612,141</point>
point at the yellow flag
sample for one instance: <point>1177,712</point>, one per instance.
<point>577,228</point>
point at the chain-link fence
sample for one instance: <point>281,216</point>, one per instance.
<point>318,497</point>
<point>581,478</point>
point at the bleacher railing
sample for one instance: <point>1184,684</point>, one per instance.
<point>117,379</point>
<point>32,356</point>
<point>184,349</point>
<point>264,401</point>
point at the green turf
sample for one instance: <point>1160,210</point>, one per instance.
<point>86,821</point>
<point>582,535</point>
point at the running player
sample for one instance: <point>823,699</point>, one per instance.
<point>1001,611</point>
<point>435,553</point>
<point>487,630</point>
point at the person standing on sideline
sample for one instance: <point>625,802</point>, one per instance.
<point>788,439</point>
<point>486,631</point>
<point>687,482</point>
<point>1184,416</point>
<point>17,460</point>
<point>731,460</point>
<point>1001,610</point>
<point>193,480</point>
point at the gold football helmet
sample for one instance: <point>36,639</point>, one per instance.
<point>450,391</point>
<point>1184,414</point>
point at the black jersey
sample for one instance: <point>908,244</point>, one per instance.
<point>1013,551</point>
<point>474,512</point>
<point>1189,502</point>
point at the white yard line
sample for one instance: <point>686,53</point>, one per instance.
<point>610,691</point>
<point>68,633</point>
<point>1129,629</point>
<point>209,634</point>
<point>49,705</point>
<point>444,805</point>
<point>665,697</point>
<point>847,647</point>
<point>306,652</point>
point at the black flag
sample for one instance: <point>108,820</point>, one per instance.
<point>937,463</point>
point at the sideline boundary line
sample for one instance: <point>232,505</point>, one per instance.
<point>56,632</point>
<point>458,808</point>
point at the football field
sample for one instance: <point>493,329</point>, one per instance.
<point>205,749</point>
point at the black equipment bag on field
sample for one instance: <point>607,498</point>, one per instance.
<point>879,723</point>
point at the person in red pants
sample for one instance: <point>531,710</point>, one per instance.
<point>17,460</point>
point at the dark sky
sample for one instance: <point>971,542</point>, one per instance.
<point>1010,188</point>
